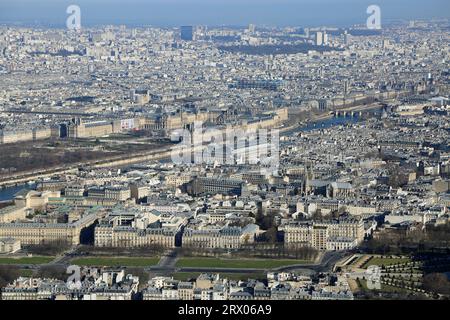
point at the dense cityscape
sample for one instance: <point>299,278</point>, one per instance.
<point>225,163</point>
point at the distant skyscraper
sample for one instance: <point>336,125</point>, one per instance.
<point>319,38</point>
<point>187,33</point>
<point>346,37</point>
<point>325,38</point>
<point>306,30</point>
<point>251,28</point>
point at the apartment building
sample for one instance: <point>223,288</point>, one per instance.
<point>213,237</point>
<point>12,213</point>
<point>339,234</point>
<point>125,230</point>
<point>95,285</point>
<point>25,135</point>
<point>203,185</point>
<point>117,193</point>
<point>9,245</point>
<point>35,233</point>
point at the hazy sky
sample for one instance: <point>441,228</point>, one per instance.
<point>218,12</point>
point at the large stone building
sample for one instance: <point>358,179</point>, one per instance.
<point>15,222</point>
<point>219,237</point>
<point>339,234</point>
<point>202,185</point>
<point>128,230</point>
<point>12,213</point>
<point>9,245</point>
<point>80,129</point>
<point>95,285</point>
<point>24,202</point>
<point>35,233</point>
<point>118,193</point>
<point>173,121</point>
<point>24,135</point>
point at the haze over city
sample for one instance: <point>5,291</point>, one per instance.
<point>304,13</point>
<point>251,151</point>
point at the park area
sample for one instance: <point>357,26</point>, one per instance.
<point>237,263</point>
<point>25,260</point>
<point>385,261</point>
<point>116,262</point>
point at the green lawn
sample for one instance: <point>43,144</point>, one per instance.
<point>114,261</point>
<point>118,136</point>
<point>384,288</point>
<point>26,273</point>
<point>184,276</point>
<point>358,260</point>
<point>385,261</point>
<point>236,263</point>
<point>25,260</point>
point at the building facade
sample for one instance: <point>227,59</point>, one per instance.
<point>342,234</point>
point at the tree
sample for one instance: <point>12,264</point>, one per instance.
<point>49,248</point>
<point>317,215</point>
<point>272,234</point>
<point>141,273</point>
<point>437,283</point>
<point>8,274</point>
<point>52,272</point>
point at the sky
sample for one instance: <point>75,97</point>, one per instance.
<point>302,13</point>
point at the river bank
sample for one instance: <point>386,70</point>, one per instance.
<point>320,122</point>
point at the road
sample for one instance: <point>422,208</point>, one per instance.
<point>167,264</point>
<point>168,260</point>
<point>326,264</point>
